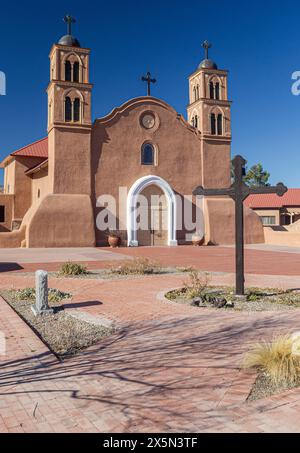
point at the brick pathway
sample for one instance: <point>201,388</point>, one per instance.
<point>220,259</point>
<point>169,367</point>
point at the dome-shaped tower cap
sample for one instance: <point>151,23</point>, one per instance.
<point>69,39</point>
<point>207,63</point>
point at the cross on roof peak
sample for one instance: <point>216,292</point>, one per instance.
<point>69,20</point>
<point>206,45</point>
<point>148,79</point>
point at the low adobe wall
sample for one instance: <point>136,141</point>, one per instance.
<point>12,239</point>
<point>62,220</point>
<point>287,238</point>
<point>220,223</point>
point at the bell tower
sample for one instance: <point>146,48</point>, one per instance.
<point>69,116</point>
<point>209,112</point>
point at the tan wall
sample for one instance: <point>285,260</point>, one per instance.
<point>69,160</point>
<point>116,162</point>
<point>40,182</point>
<point>216,167</point>
<point>61,221</point>
<point>23,185</point>
<point>116,152</point>
<point>9,177</point>
<point>7,201</point>
<point>287,238</point>
<point>220,223</point>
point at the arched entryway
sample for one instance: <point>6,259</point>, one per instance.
<point>162,215</point>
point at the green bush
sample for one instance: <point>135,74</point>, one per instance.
<point>70,268</point>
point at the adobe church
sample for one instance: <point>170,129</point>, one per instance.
<point>51,186</point>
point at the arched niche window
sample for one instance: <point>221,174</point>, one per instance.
<point>211,90</point>
<point>196,121</point>
<point>213,124</point>
<point>147,154</point>
<point>194,94</point>
<point>72,109</point>
<point>217,91</point>
<point>68,71</point>
<point>68,109</point>
<point>220,124</point>
<point>76,72</point>
<point>76,109</point>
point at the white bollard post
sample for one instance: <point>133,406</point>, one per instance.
<point>41,294</point>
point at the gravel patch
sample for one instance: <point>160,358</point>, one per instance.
<point>256,299</point>
<point>65,335</point>
<point>264,387</point>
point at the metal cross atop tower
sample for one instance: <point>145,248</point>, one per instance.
<point>206,45</point>
<point>239,191</point>
<point>149,81</point>
<point>69,20</point>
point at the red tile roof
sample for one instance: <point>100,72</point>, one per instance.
<point>35,149</point>
<point>270,200</point>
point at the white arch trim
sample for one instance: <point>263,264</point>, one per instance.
<point>132,196</point>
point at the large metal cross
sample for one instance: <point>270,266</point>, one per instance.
<point>69,20</point>
<point>149,81</point>
<point>239,191</point>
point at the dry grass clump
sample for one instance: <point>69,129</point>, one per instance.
<point>137,266</point>
<point>54,295</point>
<point>275,360</point>
<point>197,283</point>
<point>70,268</point>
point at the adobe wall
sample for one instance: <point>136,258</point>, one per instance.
<point>7,200</point>
<point>220,223</point>
<point>61,220</point>
<point>116,153</point>
<point>22,190</point>
<point>287,238</point>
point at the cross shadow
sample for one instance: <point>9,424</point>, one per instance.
<point>8,267</point>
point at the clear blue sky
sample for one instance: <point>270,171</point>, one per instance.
<point>257,41</point>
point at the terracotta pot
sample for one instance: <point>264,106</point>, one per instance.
<point>113,241</point>
<point>197,239</point>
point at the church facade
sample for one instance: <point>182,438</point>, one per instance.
<point>88,178</point>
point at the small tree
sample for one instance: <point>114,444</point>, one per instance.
<point>256,176</point>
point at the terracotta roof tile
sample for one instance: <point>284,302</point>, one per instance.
<point>35,149</point>
<point>270,200</point>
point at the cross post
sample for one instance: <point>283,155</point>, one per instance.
<point>239,191</point>
<point>149,81</point>
<point>69,20</point>
<point>206,45</point>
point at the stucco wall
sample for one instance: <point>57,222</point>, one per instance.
<point>220,223</point>
<point>287,238</point>
<point>7,201</point>
<point>9,177</point>
<point>61,221</point>
<point>116,152</point>
<point>40,185</point>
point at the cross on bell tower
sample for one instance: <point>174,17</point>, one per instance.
<point>206,45</point>
<point>149,81</point>
<point>69,20</point>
